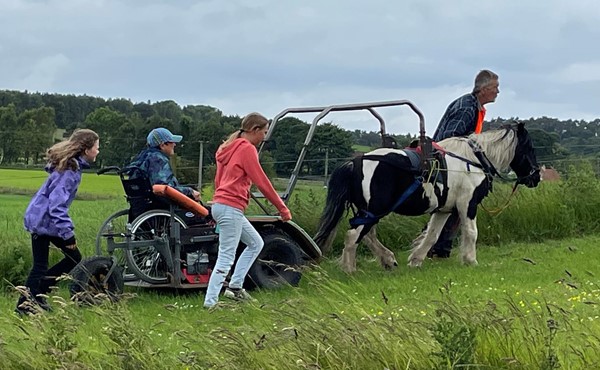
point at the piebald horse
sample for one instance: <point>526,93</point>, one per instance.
<point>391,180</point>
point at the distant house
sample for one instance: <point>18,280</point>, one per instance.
<point>549,174</point>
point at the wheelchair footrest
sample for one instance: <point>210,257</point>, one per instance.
<point>204,238</point>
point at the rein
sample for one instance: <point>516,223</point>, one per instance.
<point>497,211</point>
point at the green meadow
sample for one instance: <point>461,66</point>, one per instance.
<point>532,303</point>
<point>28,181</point>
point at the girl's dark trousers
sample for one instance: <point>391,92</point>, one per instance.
<point>41,278</point>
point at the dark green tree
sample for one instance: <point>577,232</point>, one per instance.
<point>329,142</point>
<point>35,133</point>
<point>114,129</point>
<point>286,143</point>
<point>545,143</point>
<point>9,148</point>
<point>168,109</point>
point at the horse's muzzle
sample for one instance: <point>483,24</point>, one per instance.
<point>532,180</point>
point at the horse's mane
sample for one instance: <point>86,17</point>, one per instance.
<point>499,145</point>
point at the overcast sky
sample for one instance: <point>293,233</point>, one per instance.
<point>267,55</point>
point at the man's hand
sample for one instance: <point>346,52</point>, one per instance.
<point>196,195</point>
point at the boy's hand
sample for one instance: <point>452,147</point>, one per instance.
<point>196,195</point>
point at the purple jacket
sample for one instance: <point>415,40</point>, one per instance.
<point>47,213</point>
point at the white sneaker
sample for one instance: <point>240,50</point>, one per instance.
<point>239,294</point>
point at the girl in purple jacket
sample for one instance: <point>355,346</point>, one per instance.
<point>47,217</point>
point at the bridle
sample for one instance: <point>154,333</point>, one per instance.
<point>524,180</point>
<point>490,171</point>
<point>534,168</point>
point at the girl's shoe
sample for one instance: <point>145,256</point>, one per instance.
<point>239,294</point>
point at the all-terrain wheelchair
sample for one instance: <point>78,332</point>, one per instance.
<point>164,239</point>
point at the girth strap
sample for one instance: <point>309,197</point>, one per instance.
<point>363,217</point>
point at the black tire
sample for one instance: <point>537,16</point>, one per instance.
<point>116,226</point>
<point>279,262</point>
<point>89,283</point>
<point>146,262</point>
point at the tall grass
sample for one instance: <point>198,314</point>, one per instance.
<point>551,211</point>
<point>505,314</point>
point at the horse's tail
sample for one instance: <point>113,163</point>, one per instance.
<point>338,198</point>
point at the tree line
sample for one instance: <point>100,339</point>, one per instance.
<point>29,121</point>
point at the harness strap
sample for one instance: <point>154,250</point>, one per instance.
<point>363,217</point>
<point>467,161</point>
<point>484,163</point>
<point>407,193</point>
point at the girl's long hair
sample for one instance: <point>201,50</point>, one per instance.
<point>250,122</point>
<point>62,155</point>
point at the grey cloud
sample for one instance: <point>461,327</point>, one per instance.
<point>266,55</point>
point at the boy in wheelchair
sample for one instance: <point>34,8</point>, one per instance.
<point>152,166</point>
<point>143,181</point>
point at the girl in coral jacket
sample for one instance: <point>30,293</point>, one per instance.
<point>47,217</point>
<point>237,169</point>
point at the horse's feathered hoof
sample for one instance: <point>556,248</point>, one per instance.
<point>390,267</point>
<point>349,269</point>
<point>470,262</point>
<point>415,262</point>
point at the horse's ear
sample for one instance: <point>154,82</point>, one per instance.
<point>520,125</point>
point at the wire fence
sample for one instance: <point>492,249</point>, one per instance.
<point>317,169</point>
<point>325,168</point>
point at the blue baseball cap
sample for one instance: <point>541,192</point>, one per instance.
<point>162,135</point>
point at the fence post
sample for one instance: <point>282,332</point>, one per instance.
<point>326,166</point>
<point>200,165</point>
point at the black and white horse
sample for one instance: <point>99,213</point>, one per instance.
<point>391,180</point>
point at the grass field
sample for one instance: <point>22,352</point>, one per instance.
<point>361,148</point>
<point>526,306</point>
<point>30,180</point>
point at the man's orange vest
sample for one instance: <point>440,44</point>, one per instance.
<point>480,117</point>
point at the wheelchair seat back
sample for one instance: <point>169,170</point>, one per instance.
<point>138,191</point>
